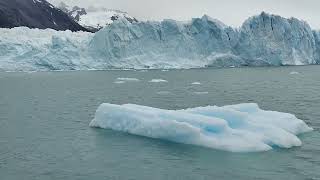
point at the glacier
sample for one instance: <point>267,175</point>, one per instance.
<point>262,40</point>
<point>235,128</point>
<point>24,49</point>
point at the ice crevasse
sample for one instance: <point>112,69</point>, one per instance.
<point>235,128</point>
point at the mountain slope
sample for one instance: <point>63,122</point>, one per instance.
<point>35,14</point>
<point>95,18</point>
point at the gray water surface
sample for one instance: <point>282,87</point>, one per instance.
<point>44,117</point>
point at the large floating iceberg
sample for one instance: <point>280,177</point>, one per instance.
<point>263,40</point>
<point>236,128</point>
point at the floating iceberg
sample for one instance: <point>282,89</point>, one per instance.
<point>236,128</point>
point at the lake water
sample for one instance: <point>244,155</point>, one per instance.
<point>45,116</point>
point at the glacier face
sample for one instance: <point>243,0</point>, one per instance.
<point>166,44</point>
<point>316,34</point>
<point>274,40</point>
<point>263,40</point>
<point>24,49</point>
<point>236,128</point>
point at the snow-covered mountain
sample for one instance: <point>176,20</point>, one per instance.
<point>263,40</point>
<point>95,18</point>
<point>35,14</point>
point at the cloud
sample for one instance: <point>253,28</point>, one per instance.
<point>231,12</point>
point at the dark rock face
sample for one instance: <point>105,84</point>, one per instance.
<point>131,20</point>
<point>35,14</point>
<point>78,11</point>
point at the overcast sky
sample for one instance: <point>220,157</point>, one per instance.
<point>231,12</point>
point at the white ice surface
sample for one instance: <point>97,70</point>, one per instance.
<point>236,128</point>
<point>263,40</point>
<point>127,79</point>
<point>158,81</point>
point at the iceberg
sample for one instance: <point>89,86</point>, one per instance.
<point>263,40</point>
<point>235,128</point>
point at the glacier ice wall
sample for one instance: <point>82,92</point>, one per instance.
<point>263,40</point>
<point>166,44</point>
<point>24,49</point>
<point>274,40</point>
<point>236,128</point>
<point>316,35</point>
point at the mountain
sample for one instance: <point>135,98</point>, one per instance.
<point>95,18</point>
<point>263,40</point>
<point>35,14</point>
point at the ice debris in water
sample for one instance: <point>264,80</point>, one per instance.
<point>158,81</point>
<point>236,128</point>
<point>128,79</point>
<point>163,92</point>
<point>201,93</point>
<point>196,83</point>
<point>294,73</point>
<point>118,82</point>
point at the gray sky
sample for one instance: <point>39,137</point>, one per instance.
<point>231,12</point>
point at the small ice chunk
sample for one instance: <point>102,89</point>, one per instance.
<point>201,93</point>
<point>128,79</point>
<point>294,73</point>
<point>119,82</point>
<point>196,83</point>
<point>163,92</point>
<point>158,81</point>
